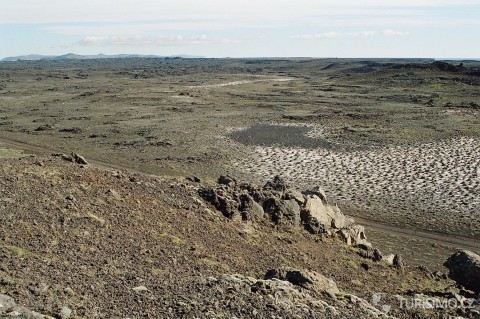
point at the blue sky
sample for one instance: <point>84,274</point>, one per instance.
<point>220,28</point>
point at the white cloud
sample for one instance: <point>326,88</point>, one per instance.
<point>157,41</point>
<point>131,28</point>
<point>68,11</point>
<point>332,35</point>
<point>390,33</point>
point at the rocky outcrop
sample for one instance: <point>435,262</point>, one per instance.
<point>282,205</point>
<point>296,294</point>
<point>464,267</point>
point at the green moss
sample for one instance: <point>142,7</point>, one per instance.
<point>174,239</point>
<point>11,153</point>
<point>19,251</point>
<point>95,218</point>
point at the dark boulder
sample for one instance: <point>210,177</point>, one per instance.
<point>464,267</point>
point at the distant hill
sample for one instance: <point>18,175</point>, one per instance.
<point>73,56</point>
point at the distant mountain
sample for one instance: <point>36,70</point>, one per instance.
<point>73,56</point>
<point>31,57</point>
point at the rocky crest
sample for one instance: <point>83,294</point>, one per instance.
<point>278,202</point>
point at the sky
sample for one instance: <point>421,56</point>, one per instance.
<point>247,28</point>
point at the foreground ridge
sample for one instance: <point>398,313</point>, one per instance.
<point>106,244</point>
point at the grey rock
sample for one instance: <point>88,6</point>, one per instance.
<point>9,309</point>
<point>114,194</point>
<point>325,214</point>
<point>227,180</point>
<point>65,313</point>
<point>398,261</point>
<point>79,159</point>
<point>224,203</point>
<point>275,208</point>
<point>296,195</point>
<point>6,303</point>
<point>320,192</point>
<point>140,289</point>
<point>307,279</point>
<point>250,208</point>
<point>369,252</point>
<point>292,211</point>
<point>389,259</point>
<point>354,235</point>
<point>278,184</point>
<point>464,268</point>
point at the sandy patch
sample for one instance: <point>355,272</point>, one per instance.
<point>233,83</point>
<point>439,178</point>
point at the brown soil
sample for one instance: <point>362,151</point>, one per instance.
<point>83,237</point>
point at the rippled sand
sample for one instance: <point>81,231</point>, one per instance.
<point>436,185</point>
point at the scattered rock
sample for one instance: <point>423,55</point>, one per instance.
<point>307,279</point>
<point>79,159</point>
<point>464,268</point>
<point>369,252</point>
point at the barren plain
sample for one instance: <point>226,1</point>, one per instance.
<point>393,142</point>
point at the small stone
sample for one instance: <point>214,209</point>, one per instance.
<point>69,291</point>
<point>65,313</point>
<point>114,194</point>
<point>140,289</point>
<point>389,259</point>
<point>356,282</point>
<point>398,261</point>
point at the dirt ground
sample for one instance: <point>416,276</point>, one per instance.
<point>114,244</point>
